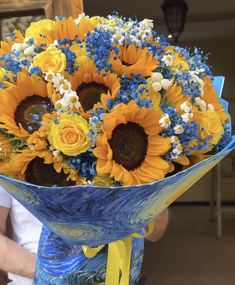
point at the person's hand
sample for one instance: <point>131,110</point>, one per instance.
<point>160,225</point>
<point>14,258</point>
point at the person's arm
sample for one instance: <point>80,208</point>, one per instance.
<point>160,225</point>
<point>14,258</point>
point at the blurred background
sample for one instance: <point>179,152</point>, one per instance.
<point>198,247</point>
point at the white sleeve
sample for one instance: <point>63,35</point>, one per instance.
<point>5,198</point>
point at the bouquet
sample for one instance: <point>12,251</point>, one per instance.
<point>103,125</point>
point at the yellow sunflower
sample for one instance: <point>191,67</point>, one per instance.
<point>175,98</point>
<point>134,60</point>
<point>5,147</point>
<point>150,94</point>
<point>5,46</point>
<point>130,148</point>
<point>22,105</point>
<point>64,28</point>
<point>210,97</point>
<point>92,87</point>
<point>41,167</point>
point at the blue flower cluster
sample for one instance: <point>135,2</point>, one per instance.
<point>84,163</point>
<point>10,64</point>
<point>188,86</point>
<point>70,59</point>
<point>130,90</point>
<point>226,138</point>
<point>99,47</point>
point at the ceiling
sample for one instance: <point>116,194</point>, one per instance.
<point>206,19</point>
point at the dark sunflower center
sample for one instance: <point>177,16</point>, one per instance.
<point>30,111</point>
<point>129,144</point>
<point>126,63</point>
<point>89,94</point>
<point>45,175</point>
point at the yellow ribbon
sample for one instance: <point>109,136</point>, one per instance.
<point>119,262</point>
<point>91,251</point>
<point>119,258</point>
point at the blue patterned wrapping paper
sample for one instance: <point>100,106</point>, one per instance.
<point>90,215</point>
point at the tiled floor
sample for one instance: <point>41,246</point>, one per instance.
<point>190,253</point>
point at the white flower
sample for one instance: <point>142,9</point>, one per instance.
<point>78,20</point>
<point>49,75</point>
<point>166,83</point>
<point>174,140</point>
<point>17,47</point>
<point>187,117</point>
<point>29,51</point>
<point>201,104</point>
<point>165,121</point>
<point>156,77</point>
<point>211,107</point>
<point>56,153</point>
<point>178,129</point>
<point>156,86</point>
<point>57,80</point>
<point>186,107</point>
<point>146,24</point>
<point>167,60</point>
<point>198,81</point>
<point>178,150</point>
<point>65,87</point>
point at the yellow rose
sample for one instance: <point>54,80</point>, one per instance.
<point>211,126</point>
<point>50,60</point>
<point>37,28</point>
<point>70,135</point>
<point>81,54</point>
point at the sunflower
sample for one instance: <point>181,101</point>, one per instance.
<point>5,46</point>
<point>130,148</point>
<point>65,28</point>
<point>6,147</point>
<point>92,87</point>
<point>210,97</point>
<point>175,98</point>
<point>133,60</point>
<point>22,105</point>
<point>41,168</point>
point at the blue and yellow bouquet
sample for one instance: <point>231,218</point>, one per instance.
<point>90,108</point>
